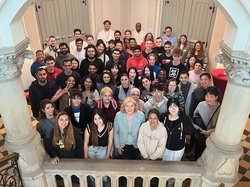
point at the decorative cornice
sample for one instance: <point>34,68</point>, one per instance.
<point>12,59</point>
<point>237,64</point>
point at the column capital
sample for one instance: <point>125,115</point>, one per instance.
<point>237,65</point>
<point>12,59</point>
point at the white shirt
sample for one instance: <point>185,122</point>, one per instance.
<point>106,36</point>
<point>139,36</point>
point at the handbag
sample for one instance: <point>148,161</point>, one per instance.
<point>197,120</point>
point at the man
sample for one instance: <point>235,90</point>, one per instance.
<point>159,49</point>
<point>41,89</point>
<point>67,67</point>
<point>51,70</point>
<point>91,57</point>
<point>137,60</point>
<point>138,34</point>
<point>124,55</point>
<point>118,35</point>
<point>79,52</point>
<point>37,63</point>
<point>148,48</point>
<point>72,44</point>
<point>52,48</point>
<point>106,33</point>
<point>166,57</point>
<point>169,37</point>
<point>116,59</point>
<point>64,54</point>
<point>90,39</point>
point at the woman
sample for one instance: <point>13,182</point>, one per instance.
<point>127,36</point>
<point>124,89</point>
<point>178,125</point>
<point>194,75</point>
<point>199,53</point>
<point>145,88</point>
<point>174,92</point>
<point>133,77</point>
<point>184,46</point>
<point>148,36</point>
<point>63,93</point>
<point>152,137</point>
<point>106,81</point>
<point>47,118</point>
<point>75,65</point>
<point>116,73</point>
<point>148,72</point>
<point>126,128</point>
<point>89,91</point>
<point>65,141</point>
<point>101,50</point>
<point>135,94</point>
<point>98,138</point>
<point>190,62</point>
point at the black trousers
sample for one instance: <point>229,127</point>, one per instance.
<point>200,146</point>
<point>130,153</point>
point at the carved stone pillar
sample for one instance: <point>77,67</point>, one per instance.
<point>221,158</point>
<point>21,137</point>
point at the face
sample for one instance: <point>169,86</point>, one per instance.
<point>183,39</point>
<point>147,72</point>
<point>106,78</point>
<point>49,110</point>
<point>77,34</point>
<point>40,56</point>
<point>88,83</point>
<point>98,120</point>
<point>74,64</point>
<point>158,42</point>
<point>50,64</point>
<point>124,81</point>
<point>90,40</point>
<point>146,83</point>
<point>91,52</point>
<point>41,76</point>
<point>197,47</point>
<point>130,108</point>
<point>119,46</point>
<point>64,49</point>
<point>210,99</point>
<point>172,86</point>
<point>132,73</point>
<point>117,36</point>
<point>176,58</point>
<point>151,61</point>
<point>71,82</point>
<point>127,35</point>
<point>92,70</point>
<point>205,81</point>
<point>52,42</point>
<point>132,43</point>
<point>116,55</point>
<point>76,101</point>
<point>79,45</point>
<point>162,75</point>
<point>114,70</point>
<point>138,27</point>
<point>63,121</point>
<point>167,48</point>
<point>149,44</point>
<point>137,53</point>
<point>197,67</point>
<point>67,66</point>
<point>183,78</point>
<point>168,32</point>
<point>135,95</point>
<point>100,48</point>
<point>191,61</point>
<point>173,109</point>
<point>153,119</point>
<point>157,94</point>
<point>111,45</point>
<point>106,97</point>
<point>107,26</point>
<point>149,36</point>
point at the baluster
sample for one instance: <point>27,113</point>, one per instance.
<point>130,181</point>
<point>162,182</point>
<point>67,181</point>
<point>195,181</point>
<point>178,182</point>
<point>98,181</point>
<point>51,180</point>
<point>114,181</point>
<point>83,180</point>
<point>146,181</point>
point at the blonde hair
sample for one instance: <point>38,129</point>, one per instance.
<point>128,100</point>
<point>106,90</point>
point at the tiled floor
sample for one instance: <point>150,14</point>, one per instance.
<point>244,167</point>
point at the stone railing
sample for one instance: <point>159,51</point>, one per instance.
<point>188,173</point>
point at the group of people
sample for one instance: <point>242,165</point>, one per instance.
<point>129,97</point>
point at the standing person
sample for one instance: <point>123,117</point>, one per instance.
<point>118,35</point>
<point>63,54</point>
<point>138,33</point>
<point>39,62</point>
<point>116,73</point>
<point>91,58</point>
<point>107,81</point>
<point>209,112</point>
<point>166,57</point>
<point>126,128</point>
<point>152,137</point>
<point>148,48</point>
<point>146,88</point>
<point>148,36</point>
<point>52,71</point>
<point>52,48</point>
<point>72,44</point>
<point>194,75</point>
<point>47,118</point>
<point>159,49</point>
<point>116,59</point>
<point>98,138</point>
<point>65,141</point>
<point>135,94</point>
<point>161,79</point>
<point>79,113</point>
<point>107,104</point>
<point>168,36</point>
<point>101,50</point>
<point>126,38</point>
<point>133,77</point>
<point>137,60</point>
<point>79,51</point>
<point>106,33</point>
<point>110,48</point>
<point>178,125</point>
<point>90,39</point>
<point>184,46</point>
<point>41,89</point>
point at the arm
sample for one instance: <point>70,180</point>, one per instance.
<point>86,143</point>
<point>161,146</point>
<point>58,94</point>
<point>110,143</point>
<point>116,135</point>
<point>140,143</point>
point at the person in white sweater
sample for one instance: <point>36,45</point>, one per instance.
<point>152,137</point>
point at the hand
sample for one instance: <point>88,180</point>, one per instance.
<point>55,161</point>
<point>120,150</point>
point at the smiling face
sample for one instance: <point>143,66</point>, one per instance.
<point>153,120</point>
<point>100,48</point>
<point>98,120</point>
<point>49,110</point>
<point>76,101</point>
<point>173,109</point>
<point>124,81</point>
<point>106,97</point>
<point>211,99</point>
<point>172,86</point>
<point>106,78</point>
<point>63,122</point>
<point>146,83</point>
<point>130,108</point>
<point>71,82</point>
<point>132,74</point>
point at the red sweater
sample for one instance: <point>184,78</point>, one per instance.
<point>138,63</point>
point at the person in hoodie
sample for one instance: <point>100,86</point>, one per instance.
<point>137,60</point>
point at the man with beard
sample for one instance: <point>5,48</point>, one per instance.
<point>52,48</point>
<point>41,89</point>
<point>39,62</point>
<point>91,57</point>
<point>138,33</point>
<point>116,59</point>
<point>63,54</point>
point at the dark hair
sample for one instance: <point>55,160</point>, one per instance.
<point>168,43</point>
<point>63,44</point>
<point>49,58</point>
<point>75,92</point>
<point>161,70</point>
<point>154,111</point>
<point>94,129</point>
<point>66,60</point>
<point>69,76</point>
<point>111,41</point>
<point>213,91</point>
<point>106,21</point>
<point>177,87</point>
<point>38,51</point>
<point>89,47</point>
<point>157,87</point>
<point>145,77</point>
<point>52,37</point>
<point>184,72</point>
<point>137,47</point>
<point>101,42</point>
<point>41,68</point>
<point>77,30</point>
<point>79,40</point>
<point>151,69</point>
<point>131,39</point>
<point>89,36</point>
<point>117,31</point>
<point>168,27</point>
<point>43,104</point>
<point>93,85</point>
<point>110,75</point>
<point>206,74</point>
<point>173,101</point>
<point>152,37</point>
<point>136,80</point>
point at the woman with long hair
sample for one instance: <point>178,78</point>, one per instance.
<point>101,50</point>
<point>145,88</point>
<point>107,80</point>
<point>47,118</point>
<point>184,46</point>
<point>133,76</point>
<point>148,36</point>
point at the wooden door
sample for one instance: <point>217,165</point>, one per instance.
<point>60,18</point>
